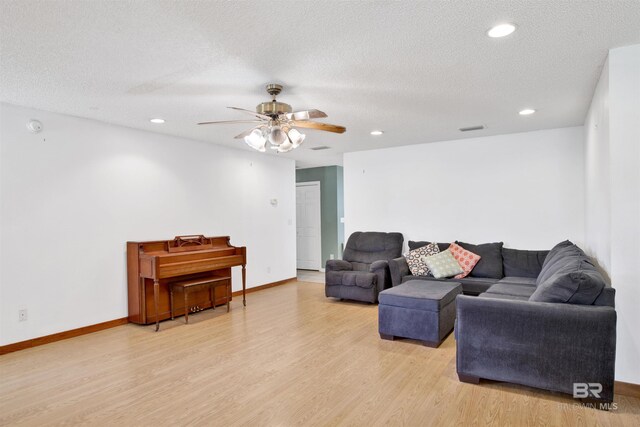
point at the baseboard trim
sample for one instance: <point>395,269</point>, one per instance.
<point>627,389</point>
<point>266,286</point>
<point>10,348</point>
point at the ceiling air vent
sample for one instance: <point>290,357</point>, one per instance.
<point>322,147</point>
<point>470,128</point>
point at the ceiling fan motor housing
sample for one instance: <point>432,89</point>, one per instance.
<point>273,108</point>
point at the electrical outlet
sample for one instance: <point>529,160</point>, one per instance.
<point>22,315</point>
<point>331,256</point>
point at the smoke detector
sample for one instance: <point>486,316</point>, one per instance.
<point>34,126</point>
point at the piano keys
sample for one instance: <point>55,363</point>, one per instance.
<point>152,265</point>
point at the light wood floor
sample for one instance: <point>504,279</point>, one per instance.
<point>292,357</point>
<point>310,276</point>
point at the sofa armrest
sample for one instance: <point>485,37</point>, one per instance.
<point>381,269</point>
<point>378,265</point>
<point>338,265</point>
<point>544,345</point>
<point>398,268</point>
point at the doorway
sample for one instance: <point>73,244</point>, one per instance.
<point>308,231</point>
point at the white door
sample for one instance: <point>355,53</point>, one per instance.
<point>308,225</point>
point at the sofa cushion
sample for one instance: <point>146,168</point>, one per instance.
<point>421,294</point>
<point>502,296</point>
<point>414,259</point>
<point>519,280</point>
<point>521,263</point>
<point>606,298</point>
<point>490,264</point>
<point>465,258</point>
<point>470,285</point>
<point>351,278</point>
<point>415,245</point>
<point>476,285</point>
<point>557,258</point>
<point>443,265</point>
<point>524,291</point>
<point>367,247</point>
<point>576,281</point>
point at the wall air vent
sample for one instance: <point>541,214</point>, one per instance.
<point>470,128</point>
<point>322,147</point>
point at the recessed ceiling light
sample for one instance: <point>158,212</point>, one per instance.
<point>527,111</point>
<point>376,132</point>
<point>158,121</point>
<point>501,30</point>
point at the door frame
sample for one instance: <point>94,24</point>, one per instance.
<point>319,185</point>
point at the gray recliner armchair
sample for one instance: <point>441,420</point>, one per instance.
<point>364,270</point>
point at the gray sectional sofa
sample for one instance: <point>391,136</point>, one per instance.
<point>546,320</point>
<point>497,265</point>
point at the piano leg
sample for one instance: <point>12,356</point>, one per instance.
<point>156,296</point>
<point>186,307</point>
<point>244,284</point>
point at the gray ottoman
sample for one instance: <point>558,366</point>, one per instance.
<point>423,310</point>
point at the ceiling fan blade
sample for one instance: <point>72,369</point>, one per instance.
<point>261,116</point>
<point>306,115</point>
<point>319,126</point>
<point>243,134</point>
<point>230,121</point>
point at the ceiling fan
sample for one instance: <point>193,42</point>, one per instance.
<point>276,124</point>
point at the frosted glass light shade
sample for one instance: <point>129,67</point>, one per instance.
<point>296,137</point>
<point>277,135</point>
<point>285,146</point>
<point>256,140</point>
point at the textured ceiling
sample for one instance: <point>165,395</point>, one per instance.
<point>417,70</point>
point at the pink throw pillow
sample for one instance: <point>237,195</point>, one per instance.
<point>465,258</point>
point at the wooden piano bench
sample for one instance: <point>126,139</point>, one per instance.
<point>188,286</point>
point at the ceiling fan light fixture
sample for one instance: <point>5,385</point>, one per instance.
<point>276,135</point>
<point>285,146</point>
<point>296,137</point>
<point>256,140</point>
<point>274,123</point>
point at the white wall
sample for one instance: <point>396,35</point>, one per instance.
<point>597,178</point>
<point>74,194</point>
<point>525,189</point>
<point>612,210</point>
<point>620,235</point>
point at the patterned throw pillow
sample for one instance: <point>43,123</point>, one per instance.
<point>414,259</point>
<point>465,258</point>
<point>443,265</point>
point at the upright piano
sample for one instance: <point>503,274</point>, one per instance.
<point>151,266</point>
